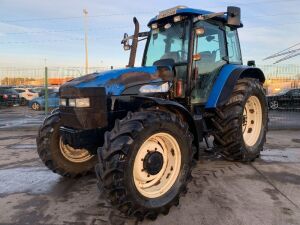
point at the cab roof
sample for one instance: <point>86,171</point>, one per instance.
<point>182,10</point>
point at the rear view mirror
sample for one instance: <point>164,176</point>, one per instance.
<point>251,63</point>
<point>234,16</point>
<point>125,42</point>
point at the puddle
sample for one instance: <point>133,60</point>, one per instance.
<point>296,140</point>
<point>35,180</point>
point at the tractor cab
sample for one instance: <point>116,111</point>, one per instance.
<point>196,44</point>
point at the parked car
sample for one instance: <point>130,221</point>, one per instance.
<point>39,103</point>
<point>9,97</point>
<point>26,94</point>
<point>287,99</point>
<point>41,90</point>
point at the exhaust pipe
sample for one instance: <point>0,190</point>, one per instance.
<point>134,42</point>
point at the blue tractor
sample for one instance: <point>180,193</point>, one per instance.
<point>141,128</point>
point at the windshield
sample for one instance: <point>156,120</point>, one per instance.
<point>170,41</point>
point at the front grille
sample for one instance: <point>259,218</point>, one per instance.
<point>91,117</point>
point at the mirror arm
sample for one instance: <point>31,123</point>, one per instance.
<point>141,34</point>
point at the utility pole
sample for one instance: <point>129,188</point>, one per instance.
<point>46,87</point>
<point>46,90</point>
<point>85,17</point>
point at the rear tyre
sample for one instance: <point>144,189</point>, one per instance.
<point>241,125</point>
<point>58,157</point>
<point>145,163</point>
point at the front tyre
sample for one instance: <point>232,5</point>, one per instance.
<point>241,125</point>
<point>145,163</point>
<point>59,157</point>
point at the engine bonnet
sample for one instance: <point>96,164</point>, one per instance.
<point>116,81</point>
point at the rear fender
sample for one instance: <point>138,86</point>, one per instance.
<point>227,79</point>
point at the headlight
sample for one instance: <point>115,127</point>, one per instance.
<point>154,26</point>
<point>75,102</point>
<point>82,102</point>
<point>72,102</point>
<point>63,102</point>
<point>152,88</point>
<point>177,19</point>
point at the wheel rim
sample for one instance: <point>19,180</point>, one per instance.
<point>74,155</point>
<point>157,184</point>
<point>252,121</point>
<point>274,105</point>
<point>34,106</point>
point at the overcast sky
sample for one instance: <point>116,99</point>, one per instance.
<point>34,30</point>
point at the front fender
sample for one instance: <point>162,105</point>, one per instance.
<point>177,108</point>
<point>227,79</point>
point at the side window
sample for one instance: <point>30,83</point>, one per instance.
<point>212,45</point>
<point>295,93</point>
<point>233,45</point>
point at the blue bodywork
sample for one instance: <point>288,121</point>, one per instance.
<point>226,81</point>
<point>116,81</point>
<point>189,11</point>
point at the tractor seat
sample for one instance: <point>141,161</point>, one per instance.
<point>209,57</point>
<point>207,63</point>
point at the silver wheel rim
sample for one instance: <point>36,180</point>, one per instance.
<point>252,121</point>
<point>153,186</point>
<point>74,155</point>
<point>274,105</point>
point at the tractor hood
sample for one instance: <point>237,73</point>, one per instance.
<point>117,81</point>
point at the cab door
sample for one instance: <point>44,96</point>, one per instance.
<point>208,59</point>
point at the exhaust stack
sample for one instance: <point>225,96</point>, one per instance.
<point>134,42</point>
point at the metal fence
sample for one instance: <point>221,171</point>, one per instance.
<point>278,79</point>
<point>284,105</point>
<point>36,76</point>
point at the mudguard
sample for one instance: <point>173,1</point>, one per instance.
<point>226,81</point>
<point>195,123</point>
